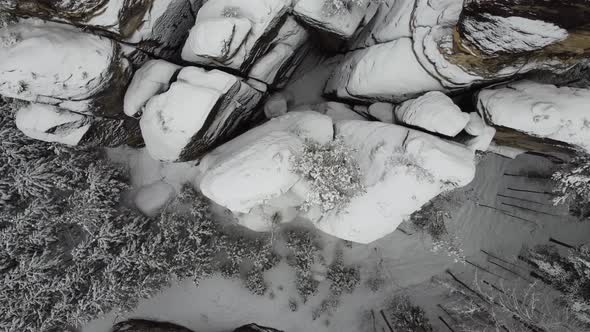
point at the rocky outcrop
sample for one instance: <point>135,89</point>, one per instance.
<point>340,18</point>
<point>255,328</point>
<point>79,72</point>
<point>53,124</point>
<point>256,38</point>
<point>555,114</point>
<point>158,27</point>
<point>433,112</point>
<point>140,325</point>
<point>201,110</point>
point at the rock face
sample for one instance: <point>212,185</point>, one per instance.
<point>339,17</point>
<point>392,157</point>
<point>140,325</point>
<point>434,112</point>
<point>53,124</point>
<point>80,72</point>
<point>256,166</point>
<point>255,328</point>
<point>256,38</point>
<point>158,27</point>
<point>199,111</point>
<point>541,110</point>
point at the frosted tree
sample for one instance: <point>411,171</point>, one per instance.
<point>404,316</point>
<point>572,185</point>
<point>332,173</point>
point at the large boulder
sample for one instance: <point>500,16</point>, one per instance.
<point>53,124</point>
<point>434,112</point>
<point>60,65</point>
<point>402,170</point>
<point>158,27</point>
<point>234,33</point>
<point>201,110</point>
<point>256,166</point>
<point>391,22</point>
<point>337,17</point>
<point>541,110</point>
<point>141,325</point>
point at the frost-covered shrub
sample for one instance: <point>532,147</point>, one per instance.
<point>332,172</point>
<point>305,253</point>
<point>572,185</point>
<point>570,275</point>
<point>404,316</point>
<point>344,279</point>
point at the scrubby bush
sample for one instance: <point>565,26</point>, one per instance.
<point>404,316</point>
<point>304,254</point>
<point>572,185</point>
<point>332,173</point>
<point>344,279</point>
<point>570,275</point>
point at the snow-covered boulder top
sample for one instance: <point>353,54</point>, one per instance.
<point>391,22</point>
<point>542,110</point>
<point>256,166</point>
<point>234,33</point>
<point>434,112</point>
<point>149,80</point>
<point>52,124</point>
<point>60,65</point>
<point>339,17</point>
<point>402,170</point>
<point>384,72</point>
<point>199,110</point>
<point>159,26</point>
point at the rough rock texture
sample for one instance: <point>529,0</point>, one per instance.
<point>391,22</point>
<point>392,157</point>
<point>158,27</point>
<point>255,167</point>
<point>340,18</point>
<point>234,33</point>
<point>541,110</point>
<point>140,325</point>
<point>384,72</point>
<point>53,124</point>
<point>255,328</point>
<point>79,71</point>
<point>153,78</point>
<point>434,112</point>
<point>201,110</point>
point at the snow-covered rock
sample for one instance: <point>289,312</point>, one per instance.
<point>541,110</point>
<point>476,125</point>
<point>434,112</point>
<point>497,34</point>
<point>158,27</point>
<point>384,72</point>
<point>255,167</point>
<point>276,105</point>
<point>382,112</point>
<point>391,22</point>
<point>199,111</point>
<point>402,170</point>
<point>52,124</point>
<point>57,64</point>
<point>338,17</point>
<point>234,33</point>
<point>336,111</point>
<point>151,199</point>
<point>286,52</point>
<point>151,79</point>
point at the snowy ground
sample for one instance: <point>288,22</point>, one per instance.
<point>404,261</point>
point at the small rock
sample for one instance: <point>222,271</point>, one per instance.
<point>152,198</point>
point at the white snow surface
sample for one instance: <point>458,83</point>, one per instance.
<point>434,112</point>
<point>335,110</point>
<point>171,119</point>
<point>151,79</point>
<point>255,167</point>
<point>384,72</point>
<point>34,120</point>
<point>402,170</point>
<point>72,64</point>
<point>542,110</point>
<point>152,198</point>
<point>513,34</point>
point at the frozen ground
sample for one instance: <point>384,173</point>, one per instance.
<point>406,262</point>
